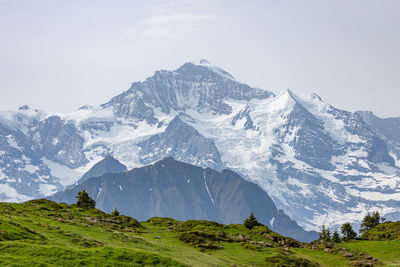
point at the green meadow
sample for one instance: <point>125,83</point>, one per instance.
<point>44,233</point>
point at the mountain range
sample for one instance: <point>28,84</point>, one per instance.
<point>170,188</point>
<point>319,164</point>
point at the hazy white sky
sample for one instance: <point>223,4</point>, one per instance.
<point>58,55</point>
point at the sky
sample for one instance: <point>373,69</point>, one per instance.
<point>58,55</point>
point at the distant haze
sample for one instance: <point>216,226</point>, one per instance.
<point>59,55</point>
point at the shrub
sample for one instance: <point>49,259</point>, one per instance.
<point>201,239</point>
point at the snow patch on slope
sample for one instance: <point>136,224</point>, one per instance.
<point>120,133</point>
<point>396,159</point>
<point>90,114</point>
<point>9,194</point>
<point>66,175</point>
<point>31,168</point>
<point>11,141</point>
<point>47,189</point>
<point>208,191</point>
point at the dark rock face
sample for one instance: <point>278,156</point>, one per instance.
<point>174,189</point>
<point>107,165</point>
<point>244,114</point>
<point>182,142</point>
<point>201,87</point>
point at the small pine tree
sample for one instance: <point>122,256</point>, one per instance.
<point>336,237</point>
<point>83,200</point>
<point>251,222</point>
<point>370,221</point>
<point>347,232</point>
<point>325,234</point>
<point>115,213</point>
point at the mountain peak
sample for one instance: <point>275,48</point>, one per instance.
<point>107,165</point>
<point>86,107</point>
<point>366,113</point>
<point>168,161</point>
<point>205,62</point>
<point>285,100</point>
<point>203,87</point>
<point>24,107</point>
<point>183,142</point>
<point>27,108</point>
<point>203,69</point>
<point>291,94</point>
<point>315,96</point>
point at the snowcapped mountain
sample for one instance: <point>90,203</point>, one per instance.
<point>201,87</point>
<point>318,163</point>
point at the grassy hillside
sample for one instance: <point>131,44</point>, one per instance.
<point>41,233</point>
<point>383,231</point>
<point>388,252</point>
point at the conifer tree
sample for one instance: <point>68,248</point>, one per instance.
<point>336,237</point>
<point>325,234</point>
<point>347,232</point>
<point>115,213</point>
<point>251,221</point>
<point>83,200</point>
<point>370,221</point>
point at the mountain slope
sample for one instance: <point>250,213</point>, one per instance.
<point>181,191</point>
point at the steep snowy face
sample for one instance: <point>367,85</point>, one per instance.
<point>193,86</point>
<point>306,135</point>
<point>23,174</point>
<point>60,141</point>
<point>40,154</point>
<point>388,129</point>
<point>320,164</point>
